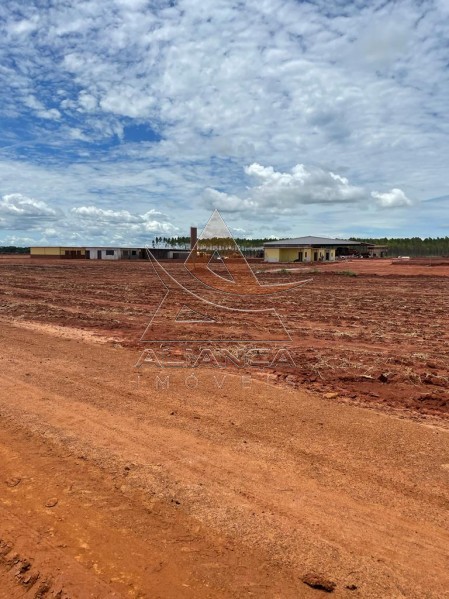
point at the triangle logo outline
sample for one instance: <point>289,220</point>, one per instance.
<point>186,314</point>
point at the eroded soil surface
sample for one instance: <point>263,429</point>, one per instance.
<point>380,338</point>
<point>117,482</point>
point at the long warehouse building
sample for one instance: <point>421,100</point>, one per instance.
<point>105,253</point>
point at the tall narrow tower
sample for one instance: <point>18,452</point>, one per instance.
<point>193,237</point>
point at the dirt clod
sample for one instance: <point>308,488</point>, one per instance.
<point>13,482</point>
<point>319,582</point>
<point>43,590</point>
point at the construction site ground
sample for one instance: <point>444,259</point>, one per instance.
<point>327,475</point>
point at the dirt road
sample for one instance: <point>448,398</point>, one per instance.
<point>109,488</point>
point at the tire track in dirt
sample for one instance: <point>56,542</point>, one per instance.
<point>28,561</point>
<point>295,489</point>
<point>139,546</point>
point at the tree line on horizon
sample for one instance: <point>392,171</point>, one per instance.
<point>14,249</point>
<point>410,246</point>
<point>184,242</point>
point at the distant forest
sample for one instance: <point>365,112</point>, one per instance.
<point>412,246</point>
<point>184,242</point>
<point>13,249</point>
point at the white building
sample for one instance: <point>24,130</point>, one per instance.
<point>101,253</point>
<point>114,253</point>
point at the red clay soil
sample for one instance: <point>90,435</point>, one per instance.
<point>378,340</point>
<point>375,266</point>
<point>125,482</point>
<point>112,488</point>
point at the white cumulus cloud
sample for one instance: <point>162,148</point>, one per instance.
<point>391,199</point>
<point>284,192</point>
<point>18,211</point>
<point>120,225</point>
<point>105,216</point>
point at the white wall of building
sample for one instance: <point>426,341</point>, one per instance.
<point>104,253</point>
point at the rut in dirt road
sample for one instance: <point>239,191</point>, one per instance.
<point>349,494</point>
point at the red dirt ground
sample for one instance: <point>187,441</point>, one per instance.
<point>380,338</point>
<point>114,484</point>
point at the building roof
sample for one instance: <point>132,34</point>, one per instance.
<point>310,240</point>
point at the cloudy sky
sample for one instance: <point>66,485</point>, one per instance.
<point>129,119</point>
